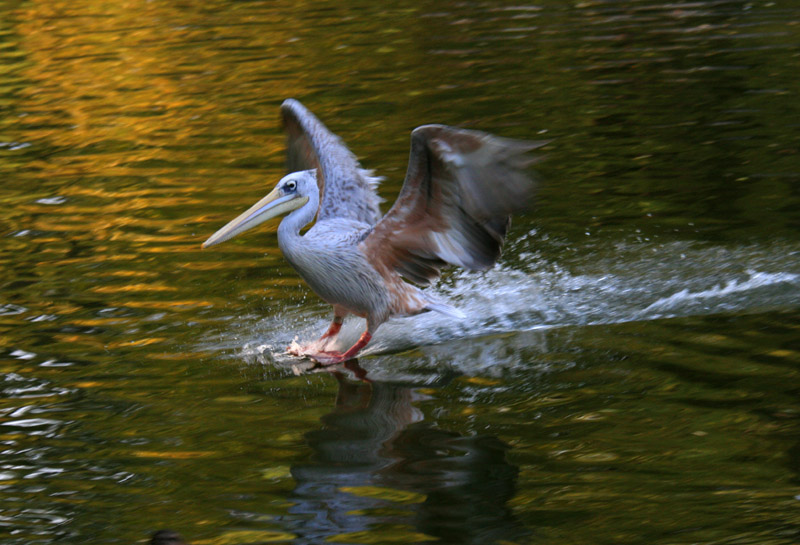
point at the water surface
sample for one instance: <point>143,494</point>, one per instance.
<point>627,374</point>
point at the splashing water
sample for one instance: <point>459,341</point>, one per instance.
<point>622,283</point>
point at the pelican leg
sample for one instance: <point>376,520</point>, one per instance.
<point>333,331</point>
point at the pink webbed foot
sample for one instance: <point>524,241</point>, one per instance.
<point>319,346</point>
<point>326,358</point>
<point>294,349</point>
<point>304,351</point>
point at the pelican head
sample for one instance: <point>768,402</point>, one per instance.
<point>292,192</point>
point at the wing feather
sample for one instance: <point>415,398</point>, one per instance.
<point>347,189</point>
<point>455,206</point>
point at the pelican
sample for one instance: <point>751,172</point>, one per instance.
<point>460,190</point>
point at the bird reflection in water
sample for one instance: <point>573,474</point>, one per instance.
<point>376,463</point>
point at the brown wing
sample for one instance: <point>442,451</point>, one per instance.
<point>455,205</point>
<point>347,190</point>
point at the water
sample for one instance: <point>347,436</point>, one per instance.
<point>627,374</point>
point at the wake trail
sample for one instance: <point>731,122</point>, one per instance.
<point>613,284</point>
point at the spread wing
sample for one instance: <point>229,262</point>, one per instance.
<point>460,190</point>
<point>347,190</point>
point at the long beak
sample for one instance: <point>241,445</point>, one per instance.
<point>267,208</point>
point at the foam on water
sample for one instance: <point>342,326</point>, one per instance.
<point>723,296</point>
<point>619,283</point>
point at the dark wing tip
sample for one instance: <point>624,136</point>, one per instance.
<point>484,180</point>
<point>294,114</point>
<point>461,188</point>
<point>291,104</point>
<point>490,172</point>
<point>300,151</point>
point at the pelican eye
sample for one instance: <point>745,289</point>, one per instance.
<point>290,186</point>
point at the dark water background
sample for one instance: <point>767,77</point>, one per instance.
<point>630,373</point>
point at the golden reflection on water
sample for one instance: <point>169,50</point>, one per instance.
<point>135,73</point>
<point>120,92</point>
<point>138,105</point>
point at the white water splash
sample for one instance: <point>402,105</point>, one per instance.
<point>721,297</point>
<point>616,284</point>
<point>504,300</point>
